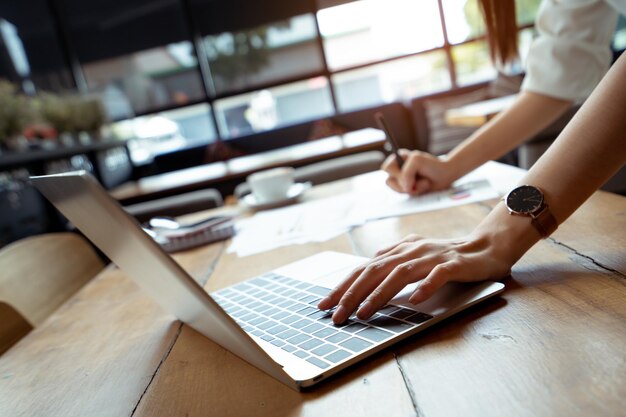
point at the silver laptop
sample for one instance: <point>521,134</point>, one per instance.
<point>271,320</point>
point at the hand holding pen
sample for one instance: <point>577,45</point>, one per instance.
<point>413,172</point>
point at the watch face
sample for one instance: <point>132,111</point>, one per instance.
<point>524,199</point>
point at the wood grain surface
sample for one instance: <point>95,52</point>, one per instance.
<point>551,345</point>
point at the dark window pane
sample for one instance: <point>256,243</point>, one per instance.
<point>146,80</point>
<point>135,53</point>
<point>265,54</point>
<point>30,47</point>
<point>219,16</point>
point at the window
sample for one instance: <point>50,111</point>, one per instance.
<point>30,48</point>
<point>366,31</point>
<point>163,132</point>
<point>265,54</point>
<point>250,66</point>
<point>472,62</point>
<point>463,20</point>
<point>143,81</point>
<point>392,81</point>
<point>137,54</point>
<point>274,107</point>
<point>526,10</point>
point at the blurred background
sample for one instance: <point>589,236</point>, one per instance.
<point>132,88</point>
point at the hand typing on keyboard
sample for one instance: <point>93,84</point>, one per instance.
<point>431,262</point>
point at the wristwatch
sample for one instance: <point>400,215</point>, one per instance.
<point>527,200</point>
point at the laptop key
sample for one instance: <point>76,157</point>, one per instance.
<point>388,309</point>
<point>324,349</point>
<point>277,316</point>
<point>355,344</point>
<point>301,354</point>
<point>267,338</point>
<point>318,314</point>
<point>403,313</point>
<point>355,327</point>
<point>298,339</point>
<point>277,329</point>
<point>257,333</point>
<point>268,324</point>
<point>307,298</point>
<point>374,334</point>
<point>307,310</point>
<point>287,334</point>
<point>302,323</point>
<point>338,337</point>
<point>319,290</point>
<point>257,321</point>
<point>418,318</point>
<point>391,324</point>
<point>290,319</point>
<point>310,344</point>
<point>277,342</point>
<point>312,328</point>
<point>325,332</point>
<point>317,362</point>
<point>288,348</point>
<point>338,356</point>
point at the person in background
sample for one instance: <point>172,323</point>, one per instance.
<point>566,61</point>
<point>564,64</point>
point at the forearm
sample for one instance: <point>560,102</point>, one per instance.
<point>586,154</point>
<point>589,150</point>
<point>529,115</point>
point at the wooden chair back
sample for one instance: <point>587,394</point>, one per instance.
<point>39,273</point>
<point>12,327</point>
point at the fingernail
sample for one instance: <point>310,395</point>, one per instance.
<point>324,303</point>
<point>416,297</point>
<point>365,311</point>
<point>340,315</point>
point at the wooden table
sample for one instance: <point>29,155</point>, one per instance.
<point>551,345</point>
<point>479,113</point>
<point>239,168</point>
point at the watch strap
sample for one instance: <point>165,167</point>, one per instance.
<point>544,222</point>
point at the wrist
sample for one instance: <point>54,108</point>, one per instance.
<point>509,236</point>
<point>451,169</point>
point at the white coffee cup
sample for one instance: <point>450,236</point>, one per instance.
<point>271,185</point>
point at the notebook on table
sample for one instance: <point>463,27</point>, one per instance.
<point>270,320</point>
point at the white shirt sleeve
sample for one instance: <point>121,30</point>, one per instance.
<point>573,50</point>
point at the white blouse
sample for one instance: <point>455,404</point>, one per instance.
<point>573,50</point>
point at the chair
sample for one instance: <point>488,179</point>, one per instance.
<point>176,205</point>
<point>38,274</point>
<point>12,327</point>
<point>331,170</point>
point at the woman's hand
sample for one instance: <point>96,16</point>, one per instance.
<point>432,262</point>
<point>421,173</point>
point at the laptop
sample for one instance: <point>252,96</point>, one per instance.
<point>270,320</point>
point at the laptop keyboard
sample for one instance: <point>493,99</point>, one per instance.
<point>283,312</point>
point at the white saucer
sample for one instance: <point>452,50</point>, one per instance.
<point>295,191</point>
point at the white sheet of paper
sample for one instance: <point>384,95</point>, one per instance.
<point>323,219</point>
<point>315,221</point>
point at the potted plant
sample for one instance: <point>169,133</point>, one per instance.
<point>15,113</point>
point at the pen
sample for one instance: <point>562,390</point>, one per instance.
<point>380,119</point>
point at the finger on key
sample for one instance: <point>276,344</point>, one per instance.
<point>400,277</point>
<point>371,277</point>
